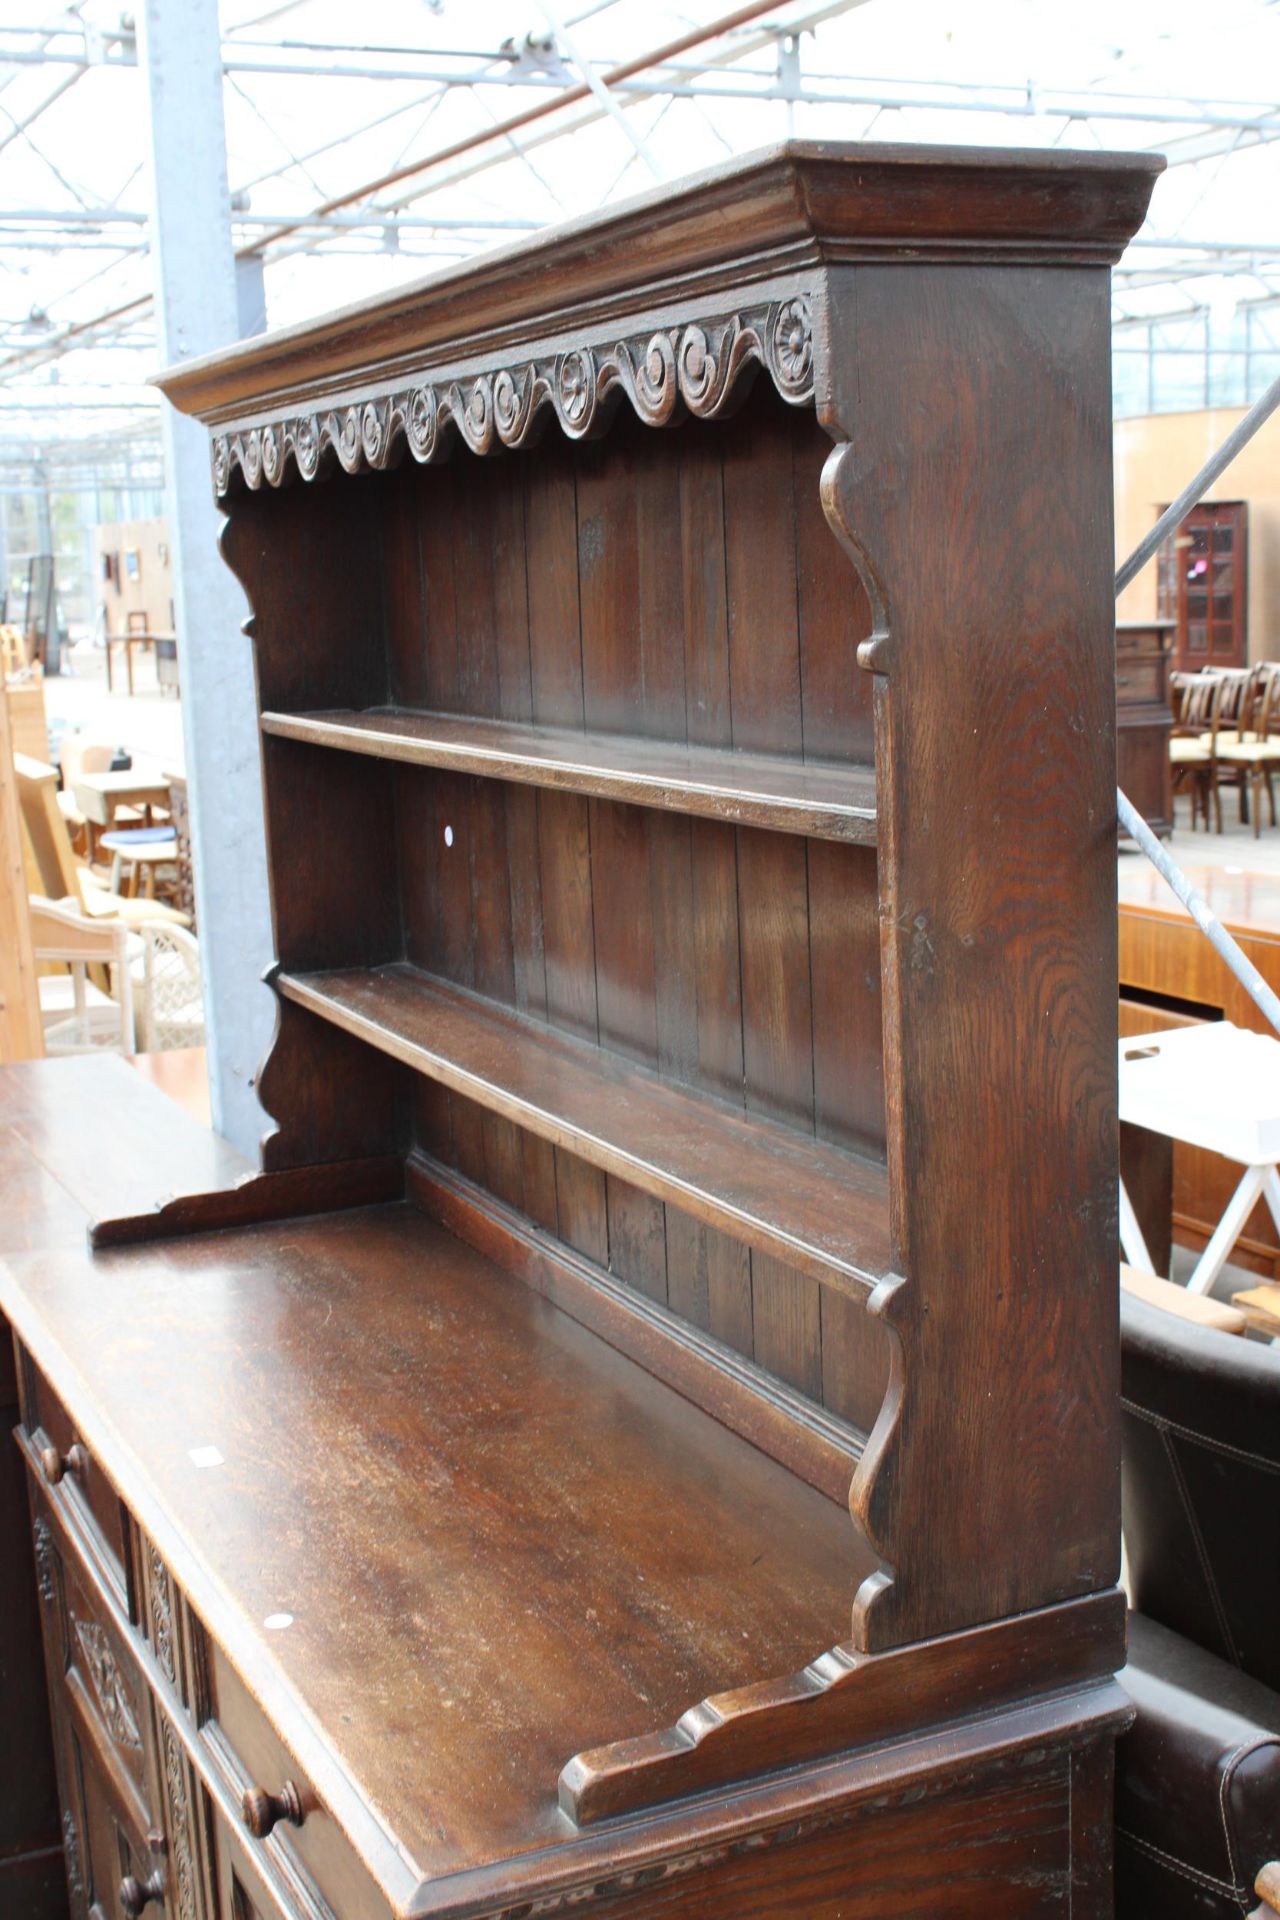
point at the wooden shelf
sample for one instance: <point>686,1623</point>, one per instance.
<point>816,1207</point>
<point>820,798</point>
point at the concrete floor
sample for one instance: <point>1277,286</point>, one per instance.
<point>1234,848</point>
<point>148,722</point>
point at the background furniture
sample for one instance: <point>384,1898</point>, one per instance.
<point>1198,1777</point>
<point>137,856</point>
<point>21,1033</point>
<point>1217,1087</point>
<point>1254,753</point>
<point>1169,976</point>
<point>78,1015</point>
<point>490,1542</point>
<point>105,798</point>
<point>171,1008</point>
<point>1193,748</point>
<point>1143,720</point>
<point>48,842</point>
<point>1202,586</point>
<point>134,635</point>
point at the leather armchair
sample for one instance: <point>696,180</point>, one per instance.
<point>1198,1775</point>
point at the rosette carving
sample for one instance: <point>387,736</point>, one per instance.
<point>575,391</point>
<point>696,368</point>
<point>423,417</point>
<point>306,445</point>
<point>791,347</point>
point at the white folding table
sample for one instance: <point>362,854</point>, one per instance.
<point>1213,1086</point>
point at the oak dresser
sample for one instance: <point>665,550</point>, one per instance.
<point>645,1440</point>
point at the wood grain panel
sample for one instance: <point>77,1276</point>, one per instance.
<point>764,641</point>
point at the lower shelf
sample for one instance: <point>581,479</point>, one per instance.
<point>820,1209</point>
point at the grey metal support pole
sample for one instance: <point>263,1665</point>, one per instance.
<point>196,303</point>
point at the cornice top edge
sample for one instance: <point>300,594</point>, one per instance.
<point>842,199</point>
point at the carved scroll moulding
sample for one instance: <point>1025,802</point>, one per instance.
<point>691,369</point>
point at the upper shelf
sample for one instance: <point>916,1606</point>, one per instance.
<point>815,1206</point>
<point>828,801</point>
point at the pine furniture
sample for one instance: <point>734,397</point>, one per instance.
<point>646,1441</point>
<point>1170,976</point>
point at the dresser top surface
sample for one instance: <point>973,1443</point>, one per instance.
<point>500,1541</point>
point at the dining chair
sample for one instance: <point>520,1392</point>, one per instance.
<point>1252,754</point>
<point>1193,747</point>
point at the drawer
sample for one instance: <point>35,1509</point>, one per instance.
<point>1138,679</point>
<point>69,1470</point>
<point>284,1823</point>
<point>92,1667</point>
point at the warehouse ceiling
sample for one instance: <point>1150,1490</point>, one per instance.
<point>358,161</point>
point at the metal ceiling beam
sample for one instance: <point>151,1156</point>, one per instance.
<point>121,216</point>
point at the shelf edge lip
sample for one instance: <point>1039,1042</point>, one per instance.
<point>826,198</point>
<point>843,1273</point>
<point>848,822</point>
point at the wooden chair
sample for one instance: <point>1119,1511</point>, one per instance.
<point>55,864</point>
<point>78,1017</point>
<point>1251,753</point>
<point>1193,746</point>
<point>75,757</point>
<point>1237,720</point>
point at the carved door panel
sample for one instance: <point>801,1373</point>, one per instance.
<point>190,1873</point>
<point>109,1863</point>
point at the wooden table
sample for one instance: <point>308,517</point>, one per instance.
<point>1211,1085</point>
<point>100,795</point>
<point>1170,977</point>
<point>129,641</point>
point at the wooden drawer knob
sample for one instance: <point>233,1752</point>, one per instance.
<point>262,1809</point>
<point>54,1464</point>
<point>137,1894</point>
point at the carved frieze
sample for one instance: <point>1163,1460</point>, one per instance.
<point>666,375</point>
<point>108,1685</point>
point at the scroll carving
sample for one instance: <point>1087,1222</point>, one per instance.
<point>693,369</point>
<point>117,1710</point>
<point>162,1614</point>
<point>45,1577</point>
<point>71,1854</point>
<point>180,1824</point>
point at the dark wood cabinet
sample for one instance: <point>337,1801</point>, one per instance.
<point>1144,719</point>
<point>645,1442</point>
<point>1202,586</point>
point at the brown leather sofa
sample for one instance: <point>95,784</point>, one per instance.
<point>1198,1775</point>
